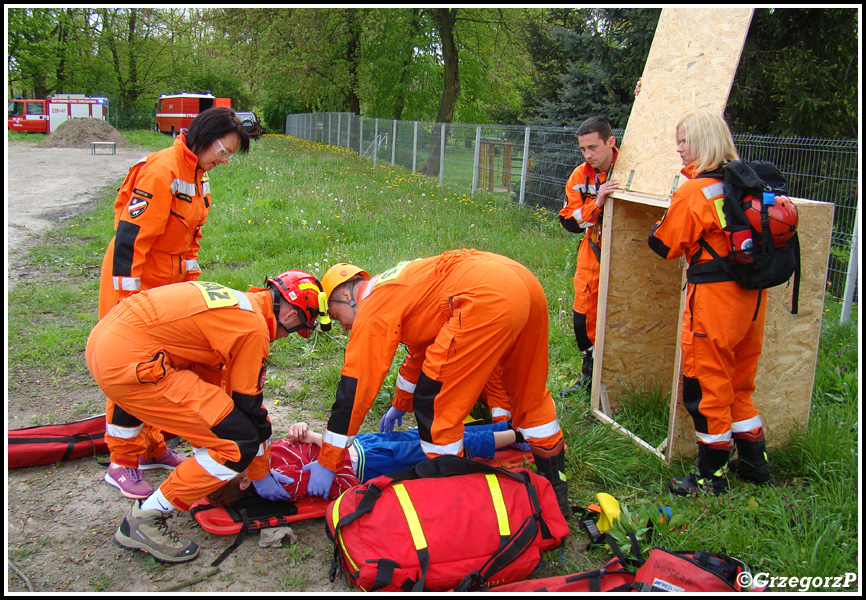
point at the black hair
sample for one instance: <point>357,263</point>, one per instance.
<point>598,125</point>
<point>212,124</point>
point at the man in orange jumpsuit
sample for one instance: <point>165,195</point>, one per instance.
<point>148,354</point>
<point>472,313</point>
<point>159,213</point>
<point>586,192</point>
<point>722,333</point>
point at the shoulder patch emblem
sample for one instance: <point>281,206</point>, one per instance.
<point>137,206</point>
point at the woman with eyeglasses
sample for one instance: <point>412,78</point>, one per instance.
<point>158,215</point>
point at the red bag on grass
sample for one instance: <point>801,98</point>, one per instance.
<point>448,524</point>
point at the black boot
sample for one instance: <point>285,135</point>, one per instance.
<point>711,477</point>
<point>586,372</point>
<point>552,468</point>
<point>752,464</point>
<point>585,380</point>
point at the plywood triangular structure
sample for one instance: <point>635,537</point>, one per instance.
<point>691,64</point>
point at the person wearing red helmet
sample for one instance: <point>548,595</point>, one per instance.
<point>154,355</point>
<point>159,213</point>
<point>722,332</point>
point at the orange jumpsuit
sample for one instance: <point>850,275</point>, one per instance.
<point>493,395</point>
<point>581,214</point>
<point>472,312</point>
<point>159,212</point>
<point>146,355</point>
<point>721,343</point>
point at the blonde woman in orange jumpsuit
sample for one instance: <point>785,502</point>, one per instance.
<point>159,213</point>
<point>722,334</point>
<point>473,313</point>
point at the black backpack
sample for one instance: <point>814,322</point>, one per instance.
<point>754,261</point>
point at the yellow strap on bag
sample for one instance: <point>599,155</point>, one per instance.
<point>415,528</point>
<point>498,505</point>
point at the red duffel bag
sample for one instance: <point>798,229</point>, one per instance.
<point>448,524</point>
<point>48,444</point>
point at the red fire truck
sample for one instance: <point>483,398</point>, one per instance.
<point>44,116</point>
<point>175,112</point>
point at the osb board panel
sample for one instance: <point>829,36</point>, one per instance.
<point>639,328</point>
<point>786,369</point>
<point>691,64</point>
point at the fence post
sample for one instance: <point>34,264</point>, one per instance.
<point>442,157</point>
<point>375,140</point>
<point>360,136</point>
<point>414,146</point>
<point>475,163</point>
<point>851,279</point>
<point>349,132</point>
<point>393,142</point>
<point>525,167</point>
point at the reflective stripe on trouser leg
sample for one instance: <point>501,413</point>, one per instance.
<point>128,439</point>
<point>459,363</point>
<point>720,349</point>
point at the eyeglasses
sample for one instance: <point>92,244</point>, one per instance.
<point>222,153</point>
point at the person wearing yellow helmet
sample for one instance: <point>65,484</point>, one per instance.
<point>464,316</point>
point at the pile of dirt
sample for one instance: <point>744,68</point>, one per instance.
<point>78,133</point>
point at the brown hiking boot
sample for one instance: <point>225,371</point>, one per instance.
<point>146,530</point>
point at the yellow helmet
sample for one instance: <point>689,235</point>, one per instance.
<point>340,273</point>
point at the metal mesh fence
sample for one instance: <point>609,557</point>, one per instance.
<point>533,164</point>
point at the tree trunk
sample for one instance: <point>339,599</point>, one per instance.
<point>444,20</point>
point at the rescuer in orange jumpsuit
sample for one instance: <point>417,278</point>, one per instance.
<point>586,192</point>
<point>159,213</point>
<point>147,355</point>
<point>722,334</point>
<point>473,313</point>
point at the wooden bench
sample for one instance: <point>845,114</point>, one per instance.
<point>95,145</point>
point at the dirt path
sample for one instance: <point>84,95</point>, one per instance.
<point>60,518</point>
<point>44,186</point>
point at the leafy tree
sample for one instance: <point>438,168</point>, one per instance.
<point>798,74</point>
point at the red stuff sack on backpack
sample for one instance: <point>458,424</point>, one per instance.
<point>612,577</point>
<point>48,444</point>
<point>448,524</point>
<point>686,571</point>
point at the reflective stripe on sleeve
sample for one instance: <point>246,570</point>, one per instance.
<point>405,385</point>
<point>500,412</point>
<point>337,440</point>
<point>192,265</point>
<point>129,284</point>
<point>184,187</point>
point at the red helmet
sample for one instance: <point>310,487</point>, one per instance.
<point>783,218</point>
<point>304,292</point>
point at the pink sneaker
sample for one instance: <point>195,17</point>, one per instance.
<point>128,481</point>
<point>168,460</point>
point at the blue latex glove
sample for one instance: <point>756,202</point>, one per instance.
<point>321,479</point>
<point>386,424</point>
<point>271,487</point>
<point>521,446</point>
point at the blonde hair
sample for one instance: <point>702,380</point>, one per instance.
<point>709,138</point>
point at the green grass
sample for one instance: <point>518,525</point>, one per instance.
<point>295,204</point>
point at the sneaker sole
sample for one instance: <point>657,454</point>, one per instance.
<point>155,466</point>
<point>125,494</point>
<point>129,544</point>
